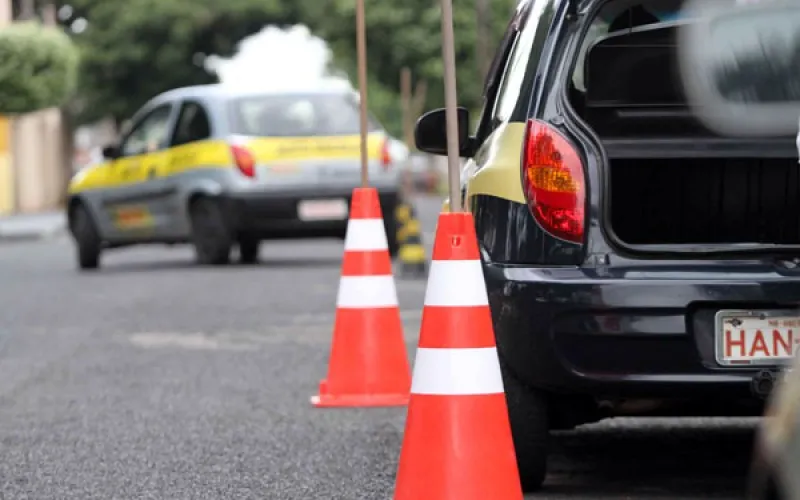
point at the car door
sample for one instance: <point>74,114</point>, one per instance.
<point>508,90</point>
<point>183,164</point>
<point>134,173</point>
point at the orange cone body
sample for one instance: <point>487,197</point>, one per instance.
<point>368,362</point>
<point>457,442</point>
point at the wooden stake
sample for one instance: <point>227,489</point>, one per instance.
<point>420,93</point>
<point>451,106</point>
<point>361,46</point>
<point>405,95</point>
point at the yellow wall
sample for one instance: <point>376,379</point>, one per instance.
<point>6,171</point>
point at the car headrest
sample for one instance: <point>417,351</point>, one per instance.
<point>636,66</point>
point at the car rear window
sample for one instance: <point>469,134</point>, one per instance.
<point>625,81</point>
<point>297,115</point>
<point>617,17</point>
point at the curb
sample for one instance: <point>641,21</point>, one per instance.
<point>31,235</point>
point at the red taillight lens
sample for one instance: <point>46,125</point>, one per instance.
<point>553,181</point>
<point>244,160</point>
<point>386,157</point>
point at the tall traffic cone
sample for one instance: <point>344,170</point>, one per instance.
<point>457,442</point>
<point>368,361</point>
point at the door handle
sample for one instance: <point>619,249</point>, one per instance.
<point>151,173</point>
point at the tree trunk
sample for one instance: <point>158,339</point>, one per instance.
<point>27,10</point>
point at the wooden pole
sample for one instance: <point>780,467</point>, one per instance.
<point>405,96</point>
<point>418,102</point>
<point>361,46</point>
<point>451,106</point>
<point>408,128</point>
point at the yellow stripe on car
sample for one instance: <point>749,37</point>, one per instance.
<point>216,154</point>
<point>271,149</point>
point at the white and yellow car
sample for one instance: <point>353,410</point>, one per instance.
<point>220,168</point>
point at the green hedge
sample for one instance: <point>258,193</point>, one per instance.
<point>38,67</point>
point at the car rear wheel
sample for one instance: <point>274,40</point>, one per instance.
<point>86,238</point>
<point>211,235</point>
<point>530,428</point>
<point>248,249</point>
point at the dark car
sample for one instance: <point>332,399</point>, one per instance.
<point>637,263</point>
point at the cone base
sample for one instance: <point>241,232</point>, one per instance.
<point>359,400</point>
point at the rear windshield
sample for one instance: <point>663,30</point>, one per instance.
<point>628,61</point>
<point>621,17</point>
<point>297,115</point>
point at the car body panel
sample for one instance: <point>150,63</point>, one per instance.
<point>146,197</point>
<point>495,169</point>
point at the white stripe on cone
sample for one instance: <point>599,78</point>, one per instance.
<point>364,292</point>
<point>456,372</point>
<point>456,283</point>
<point>364,235</point>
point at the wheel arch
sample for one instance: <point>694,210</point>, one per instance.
<point>202,189</point>
<point>73,202</point>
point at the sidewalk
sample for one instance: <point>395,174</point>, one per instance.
<point>32,226</point>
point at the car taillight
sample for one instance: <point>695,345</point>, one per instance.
<point>553,181</point>
<point>244,160</point>
<point>386,157</point>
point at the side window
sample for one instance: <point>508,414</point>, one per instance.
<point>150,134</point>
<point>193,124</point>
<point>496,70</point>
<point>521,53</point>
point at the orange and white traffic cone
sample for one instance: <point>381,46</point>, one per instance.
<point>457,442</point>
<point>368,364</point>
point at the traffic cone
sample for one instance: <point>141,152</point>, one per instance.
<point>457,442</point>
<point>368,361</point>
<point>412,252</point>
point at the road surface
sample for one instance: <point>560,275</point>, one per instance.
<point>156,379</point>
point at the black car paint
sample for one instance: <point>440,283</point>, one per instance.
<point>591,320</point>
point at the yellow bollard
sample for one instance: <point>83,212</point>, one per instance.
<point>412,251</point>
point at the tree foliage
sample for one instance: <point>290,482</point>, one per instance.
<point>38,67</point>
<point>138,48</point>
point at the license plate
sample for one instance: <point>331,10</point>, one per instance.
<point>747,338</point>
<point>322,209</point>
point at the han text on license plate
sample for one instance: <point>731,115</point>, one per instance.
<point>322,209</point>
<point>756,337</point>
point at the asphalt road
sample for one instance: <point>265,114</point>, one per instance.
<point>156,379</point>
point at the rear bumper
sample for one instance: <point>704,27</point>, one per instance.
<point>627,333</point>
<point>275,214</point>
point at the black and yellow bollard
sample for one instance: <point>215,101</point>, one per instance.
<point>412,251</point>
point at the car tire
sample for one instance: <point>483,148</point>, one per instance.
<point>211,235</point>
<point>530,428</point>
<point>87,238</point>
<point>248,249</point>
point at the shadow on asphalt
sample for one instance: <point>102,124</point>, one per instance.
<point>701,462</point>
<point>264,263</point>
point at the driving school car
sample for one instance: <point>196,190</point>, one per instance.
<point>221,168</point>
<point>636,261</point>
